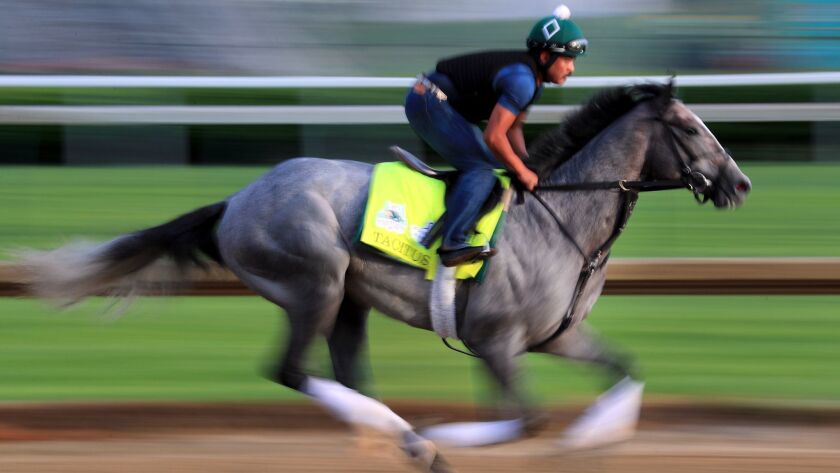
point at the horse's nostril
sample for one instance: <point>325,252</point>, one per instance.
<point>743,186</point>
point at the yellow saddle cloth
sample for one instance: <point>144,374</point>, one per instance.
<point>402,207</point>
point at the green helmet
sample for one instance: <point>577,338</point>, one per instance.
<point>558,34</point>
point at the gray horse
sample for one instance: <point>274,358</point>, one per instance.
<point>289,236</point>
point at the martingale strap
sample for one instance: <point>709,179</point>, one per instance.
<point>594,262</point>
<point>630,195</point>
<point>693,180</point>
<point>690,179</point>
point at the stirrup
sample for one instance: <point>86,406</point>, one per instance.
<point>467,254</point>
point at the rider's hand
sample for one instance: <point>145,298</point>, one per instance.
<point>528,179</point>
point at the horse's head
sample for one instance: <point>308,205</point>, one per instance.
<point>688,150</point>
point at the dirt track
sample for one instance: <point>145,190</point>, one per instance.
<point>284,438</point>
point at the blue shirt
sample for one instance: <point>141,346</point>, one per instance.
<point>516,86</point>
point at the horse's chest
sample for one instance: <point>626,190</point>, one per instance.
<point>590,295</point>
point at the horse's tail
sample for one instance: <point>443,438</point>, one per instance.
<point>77,270</point>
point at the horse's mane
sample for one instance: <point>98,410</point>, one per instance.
<point>557,146</point>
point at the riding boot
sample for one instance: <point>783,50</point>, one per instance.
<point>463,206</point>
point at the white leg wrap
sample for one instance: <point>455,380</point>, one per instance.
<point>474,434</point>
<point>442,302</point>
<point>354,408</point>
<point>611,418</point>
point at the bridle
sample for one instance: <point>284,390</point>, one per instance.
<point>690,179</point>
<point>695,181</point>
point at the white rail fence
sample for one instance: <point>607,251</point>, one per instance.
<point>371,114</point>
<point>311,82</point>
<point>357,114</point>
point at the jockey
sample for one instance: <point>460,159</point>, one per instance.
<point>444,107</point>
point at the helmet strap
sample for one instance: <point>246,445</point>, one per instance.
<point>552,58</point>
<point>544,67</point>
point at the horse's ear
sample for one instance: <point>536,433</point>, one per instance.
<point>672,86</point>
<point>666,94</point>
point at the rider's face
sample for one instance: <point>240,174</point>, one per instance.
<point>562,68</point>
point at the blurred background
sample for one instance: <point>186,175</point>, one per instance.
<point>383,39</point>
<point>65,178</point>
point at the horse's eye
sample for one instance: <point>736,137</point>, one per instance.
<point>691,131</point>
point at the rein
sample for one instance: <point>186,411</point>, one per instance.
<point>689,179</point>
<point>695,181</point>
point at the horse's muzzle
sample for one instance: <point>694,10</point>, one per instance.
<point>731,189</point>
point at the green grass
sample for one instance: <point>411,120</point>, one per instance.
<point>44,206</point>
<point>792,210</point>
<point>775,349</point>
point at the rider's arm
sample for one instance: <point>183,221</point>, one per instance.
<point>516,86</point>
<point>517,137</point>
<point>496,136</point>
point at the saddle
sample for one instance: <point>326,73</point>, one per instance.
<point>449,177</point>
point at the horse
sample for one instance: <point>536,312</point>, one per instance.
<point>289,236</point>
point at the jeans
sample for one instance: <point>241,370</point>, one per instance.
<point>462,144</point>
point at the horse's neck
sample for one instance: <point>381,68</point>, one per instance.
<point>616,153</point>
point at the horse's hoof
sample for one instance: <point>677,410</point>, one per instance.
<point>610,420</point>
<point>439,465</point>
<point>534,423</point>
<point>423,452</point>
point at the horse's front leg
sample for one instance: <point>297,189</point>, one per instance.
<point>347,343</point>
<point>613,416</point>
<point>499,355</point>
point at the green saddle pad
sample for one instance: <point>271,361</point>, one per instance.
<point>402,207</point>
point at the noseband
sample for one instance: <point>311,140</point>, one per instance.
<point>693,180</point>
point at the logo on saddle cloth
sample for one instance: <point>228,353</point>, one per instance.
<point>392,218</point>
<point>404,205</point>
